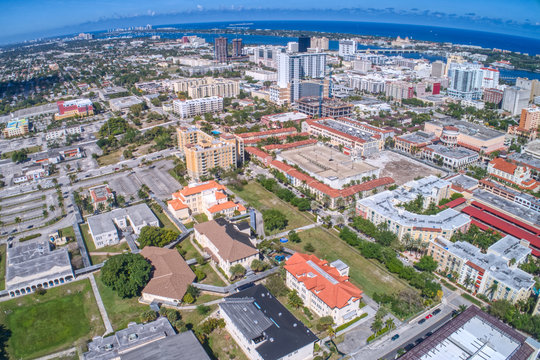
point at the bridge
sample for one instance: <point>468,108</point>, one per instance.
<point>387,51</point>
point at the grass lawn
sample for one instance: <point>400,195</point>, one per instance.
<point>204,298</point>
<point>192,318</point>
<point>30,150</point>
<point>191,252</point>
<point>211,277</point>
<point>120,311</point>
<point>98,259</point>
<point>261,199</point>
<point>65,316</point>
<point>67,232</point>
<point>370,276</point>
<point>111,158</point>
<point>2,266</point>
<point>163,219</point>
<point>201,218</point>
<point>91,247</point>
<point>223,346</point>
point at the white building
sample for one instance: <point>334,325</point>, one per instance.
<point>515,99</point>
<point>465,81</point>
<point>262,75</point>
<point>347,48</point>
<point>451,157</point>
<point>294,67</point>
<point>324,288</point>
<point>190,108</point>
<point>292,47</point>
<point>62,133</point>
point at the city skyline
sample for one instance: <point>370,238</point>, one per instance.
<point>33,19</point>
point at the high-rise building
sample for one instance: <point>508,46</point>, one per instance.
<point>304,43</point>
<point>319,43</point>
<point>204,152</point>
<point>292,47</point>
<point>347,48</point>
<point>220,49</point>
<point>532,85</point>
<point>362,66</point>
<point>494,96</point>
<point>237,47</point>
<point>452,59</point>
<point>465,81</point>
<point>490,78</point>
<point>294,67</point>
<point>192,107</point>
<point>530,118</point>
<point>437,69</point>
<point>515,99</point>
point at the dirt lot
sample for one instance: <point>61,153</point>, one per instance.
<point>400,167</point>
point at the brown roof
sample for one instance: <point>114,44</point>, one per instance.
<point>171,275</point>
<point>232,244</point>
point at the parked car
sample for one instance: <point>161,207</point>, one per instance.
<point>429,334</point>
<point>422,321</point>
<point>409,347</point>
<point>395,337</point>
<point>429,316</point>
<point>436,311</point>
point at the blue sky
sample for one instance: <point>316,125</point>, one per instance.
<point>26,19</point>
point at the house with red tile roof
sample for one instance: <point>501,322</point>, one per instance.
<point>508,172</point>
<point>100,195</point>
<point>324,287</point>
<point>208,198</point>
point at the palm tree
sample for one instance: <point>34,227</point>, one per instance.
<point>18,221</point>
<point>462,308</point>
<point>376,325</point>
<point>390,324</point>
<point>493,289</point>
<point>331,332</point>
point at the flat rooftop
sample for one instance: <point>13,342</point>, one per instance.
<point>511,207</point>
<point>452,152</point>
<point>325,162</point>
<point>526,159</point>
<point>418,137</point>
<point>468,128</point>
<point>346,129</point>
<point>464,181</point>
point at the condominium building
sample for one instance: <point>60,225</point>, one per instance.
<point>385,208</point>
<point>494,274</point>
<point>204,152</point>
<point>508,172</point>
<point>398,90</point>
<point>228,244</point>
<point>315,106</point>
<point>465,81</point>
<point>353,137</point>
<point>319,43</point>
<point>530,118</point>
<point>324,287</point>
<point>190,108</point>
<point>470,135</point>
<point>62,133</point>
<point>373,84</point>
<point>222,88</point>
<point>347,48</point>
<point>533,86</point>
<point>220,50</point>
<point>208,198</point>
<point>294,67</point>
<point>493,96</point>
<point>71,108</point>
<point>16,128</point>
<point>437,69</point>
<point>515,99</point>
<point>237,47</point>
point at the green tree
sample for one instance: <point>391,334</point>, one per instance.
<point>276,285</point>
<point>147,316</point>
<point>309,247</point>
<point>294,299</point>
<point>426,263</point>
<point>293,236</point>
<point>203,309</point>
<point>127,274</point>
<point>188,299</point>
<point>237,271</point>
<point>274,219</point>
<point>258,265</point>
<point>154,236</point>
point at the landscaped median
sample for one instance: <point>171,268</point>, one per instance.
<point>347,324</point>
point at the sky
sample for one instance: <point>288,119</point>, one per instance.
<point>28,19</point>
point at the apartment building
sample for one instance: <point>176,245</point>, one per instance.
<point>398,90</point>
<point>16,128</point>
<point>324,287</point>
<point>62,133</point>
<point>511,173</point>
<point>190,108</point>
<point>494,274</point>
<point>414,142</point>
<point>208,198</point>
<point>315,106</point>
<point>455,158</point>
<point>385,208</point>
<point>228,244</point>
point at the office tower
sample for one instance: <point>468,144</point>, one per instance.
<point>294,67</point>
<point>465,81</point>
<point>292,47</point>
<point>515,99</point>
<point>437,69</point>
<point>304,43</point>
<point>319,43</point>
<point>237,47</point>
<point>347,47</point>
<point>220,49</point>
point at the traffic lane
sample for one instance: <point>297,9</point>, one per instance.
<point>421,335</point>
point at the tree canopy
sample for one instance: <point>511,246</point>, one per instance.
<point>127,274</point>
<point>274,219</point>
<point>154,236</point>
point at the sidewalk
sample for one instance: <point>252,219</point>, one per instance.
<point>104,316</point>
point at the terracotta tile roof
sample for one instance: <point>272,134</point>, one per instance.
<point>256,152</point>
<point>289,145</point>
<point>280,165</point>
<point>191,190</point>
<point>335,294</point>
<point>300,176</point>
<point>220,195</point>
<point>220,207</point>
<point>503,165</point>
<point>177,204</point>
<point>232,244</point>
<point>171,275</point>
<point>367,186</point>
<point>325,189</point>
<point>266,133</point>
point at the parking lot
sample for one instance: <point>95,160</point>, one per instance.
<point>400,167</point>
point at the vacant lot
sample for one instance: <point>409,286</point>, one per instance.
<point>121,311</point>
<point>366,274</point>
<point>261,199</point>
<point>400,167</point>
<point>37,325</point>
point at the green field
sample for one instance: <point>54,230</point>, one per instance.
<point>212,278</point>
<point>261,199</point>
<point>67,232</point>
<point>163,219</point>
<point>38,325</point>
<point>2,266</point>
<point>30,150</point>
<point>191,252</point>
<point>92,248</point>
<point>120,311</point>
<point>370,276</point>
<point>201,218</point>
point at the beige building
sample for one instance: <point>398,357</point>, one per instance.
<point>204,152</point>
<point>227,244</point>
<point>494,274</point>
<point>207,86</point>
<point>324,288</point>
